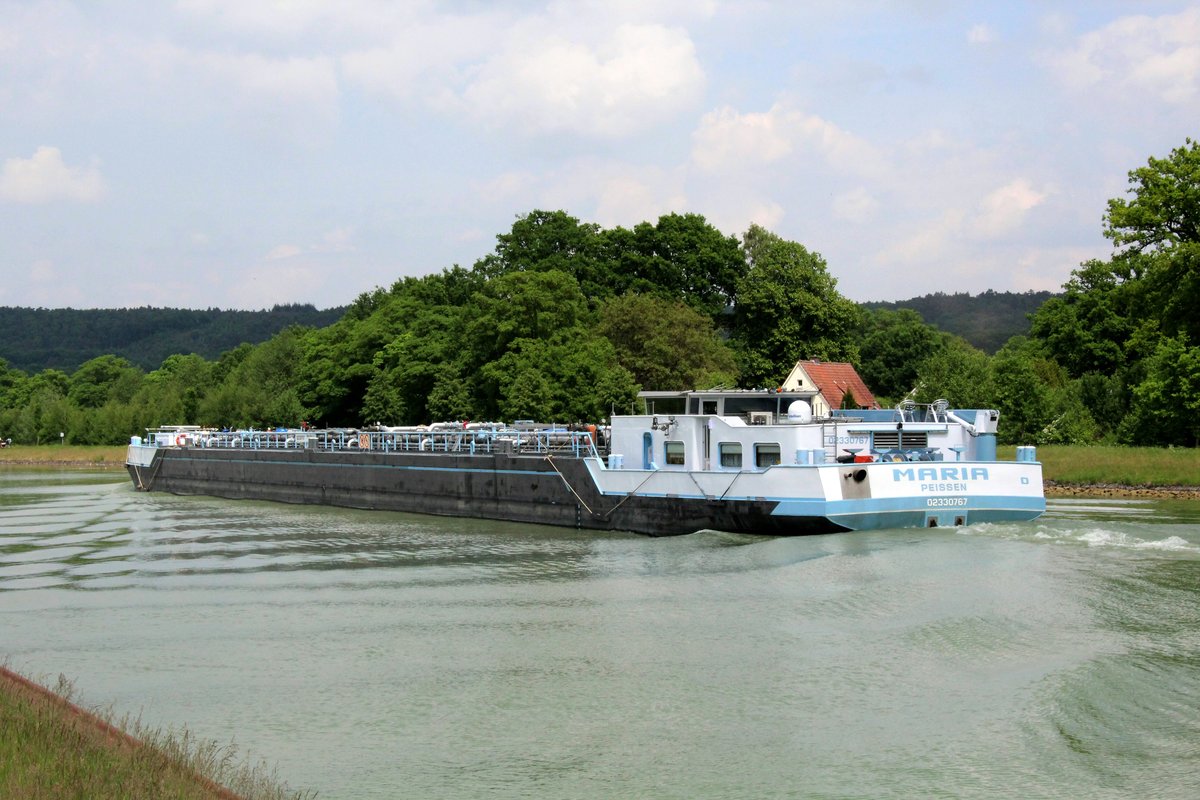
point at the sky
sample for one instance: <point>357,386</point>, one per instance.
<point>248,153</point>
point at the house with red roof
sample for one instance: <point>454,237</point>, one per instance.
<point>838,385</point>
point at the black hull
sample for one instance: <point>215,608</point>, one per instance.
<point>516,488</point>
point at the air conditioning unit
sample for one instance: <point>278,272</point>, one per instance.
<point>761,417</point>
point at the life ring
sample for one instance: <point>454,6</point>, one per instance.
<point>180,440</point>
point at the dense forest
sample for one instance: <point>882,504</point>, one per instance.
<point>986,320</point>
<point>565,321</point>
<point>33,339</point>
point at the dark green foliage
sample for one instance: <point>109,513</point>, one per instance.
<point>788,308</point>
<point>1126,329</point>
<point>33,339</point>
<point>1165,406</point>
<point>680,257</point>
<point>986,320</point>
<point>958,373</point>
<point>893,346</point>
<point>102,379</point>
<point>665,344</point>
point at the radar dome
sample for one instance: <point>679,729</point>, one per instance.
<point>799,411</point>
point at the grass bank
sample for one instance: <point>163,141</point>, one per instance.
<point>64,456</point>
<point>51,748</point>
<point>1147,467</point>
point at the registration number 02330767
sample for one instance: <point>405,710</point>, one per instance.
<point>945,502</point>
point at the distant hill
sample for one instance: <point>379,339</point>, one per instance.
<point>986,320</point>
<point>33,339</point>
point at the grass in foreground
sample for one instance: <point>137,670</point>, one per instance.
<point>1121,466</point>
<point>51,749</point>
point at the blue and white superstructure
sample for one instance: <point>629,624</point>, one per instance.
<point>749,461</point>
<point>913,466</point>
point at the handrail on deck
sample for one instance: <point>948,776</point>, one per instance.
<point>542,441</point>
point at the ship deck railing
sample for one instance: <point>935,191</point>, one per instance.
<point>546,441</point>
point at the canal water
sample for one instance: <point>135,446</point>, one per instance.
<point>379,655</point>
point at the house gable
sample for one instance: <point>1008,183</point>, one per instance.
<point>834,380</point>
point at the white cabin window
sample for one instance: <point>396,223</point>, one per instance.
<point>675,453</point>
<point>766,455</point>
<point>731,454</point>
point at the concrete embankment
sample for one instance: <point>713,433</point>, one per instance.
<point>1056,489</point>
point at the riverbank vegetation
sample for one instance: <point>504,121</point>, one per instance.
<point>51,748</point>
<point>565,321</point>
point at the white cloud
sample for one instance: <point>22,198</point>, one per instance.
<point>310,81</point>
<point>266,285</point>
<point>43,271</point>
<point>727,140</point>
<point>1155,55</point>
<point>282,251</point>
<point>1003,210</point>
<point>338,240</point>
<point>856,205</point>
<point>630,10</point>
<point>545,82</point>
<point>628,199</point>
<point>929,242</point>
<point>44,178</point>
<point>734,212</point>
<point>294,19</point>
<point>506,186</point>
<point>981,34</point>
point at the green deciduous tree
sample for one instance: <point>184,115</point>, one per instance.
<point>665,344</point>
<point>1165,406</point>
<point>680,257</point>
<point>103,379</point>
<point>893,346</point>
<point>959,373</point>
<point>788,308</point>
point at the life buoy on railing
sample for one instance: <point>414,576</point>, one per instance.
<point>364,441</point>
<point>180,440</point>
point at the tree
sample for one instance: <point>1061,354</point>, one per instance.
<point>959,373</point>
<point>1166,405</point>
<point>665,344</point>
<point>102,379</point>
<point>893,345</point>
<point>1165,209</point>
<point>544,241</point>
<point>522,305</point>
<point>1117,318</point>
<point>261,390</point>
<point>1157,233</point>
<point>572,376</point>
<point>681,257</point>
<point>788,308</point>
<point>1088,327</point>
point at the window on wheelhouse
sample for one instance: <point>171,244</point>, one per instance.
<point>674,454</point>
<point>731,454</point>
<point>766,455</point>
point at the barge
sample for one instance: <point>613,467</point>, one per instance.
<point>743,461</point>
